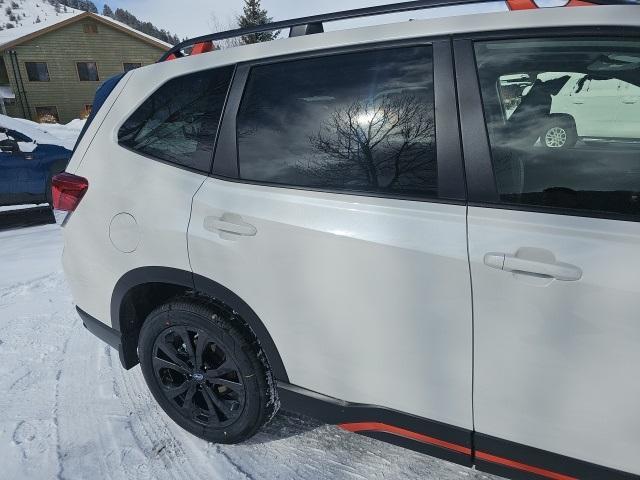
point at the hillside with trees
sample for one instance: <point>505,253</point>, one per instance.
<point>120,15</point>
<point>131,20</point>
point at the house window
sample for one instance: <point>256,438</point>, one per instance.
<point>88,72</point>
<point>91,28</point>
<point>47,114</point>
<point>37,71</point>
<point>131,66</point>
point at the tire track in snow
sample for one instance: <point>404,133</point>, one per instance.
<point>26,288</point>
<point>154,431</point>
<point>89,418</point>
<point>56,407</point>
<point>237,467</point>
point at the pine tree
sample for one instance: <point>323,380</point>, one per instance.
<point>106,11</point>
<point>85,5</point>
<point>253,15</point>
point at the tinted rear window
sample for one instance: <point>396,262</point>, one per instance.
<point>179,122</point>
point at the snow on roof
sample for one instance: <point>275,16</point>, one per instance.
<point>11,35</point>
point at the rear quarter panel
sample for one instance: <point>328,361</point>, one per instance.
<point>157,195</point>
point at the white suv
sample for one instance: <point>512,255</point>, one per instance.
<point>348,225</point>
<point>595,108</point>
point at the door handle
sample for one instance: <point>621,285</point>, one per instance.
<point>511,263</point>
<point>229,223</point>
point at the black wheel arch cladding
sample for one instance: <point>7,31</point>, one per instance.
<point>187,281</point>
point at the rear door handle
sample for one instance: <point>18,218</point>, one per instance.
<point>229,223</point>
<point>511,263</point>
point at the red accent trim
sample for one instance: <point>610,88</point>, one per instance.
<point>522,466</point>
<point>580,3</point>
<point>198,48</point>
<point>383,427</point>
<point>531,4</point>
<point>202,47</point>
<point>521,4</point>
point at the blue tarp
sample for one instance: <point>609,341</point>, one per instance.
<point>100,97</point>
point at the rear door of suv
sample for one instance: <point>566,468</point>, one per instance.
<point>554,245</point>
<point>336,211</point>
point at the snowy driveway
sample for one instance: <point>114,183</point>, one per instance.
<point>69,411</point>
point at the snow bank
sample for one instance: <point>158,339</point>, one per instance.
<point>46,133</point>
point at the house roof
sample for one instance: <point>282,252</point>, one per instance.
<point>12,37</point>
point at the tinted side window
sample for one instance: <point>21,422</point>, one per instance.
<point>179,122</point>
<point>354,122</point>
<point>563,117</point>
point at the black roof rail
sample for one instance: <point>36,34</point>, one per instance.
<point>313,24</point>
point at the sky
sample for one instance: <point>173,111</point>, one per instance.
<point>195,17</point>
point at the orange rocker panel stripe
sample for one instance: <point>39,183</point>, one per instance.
<point>383,427</point>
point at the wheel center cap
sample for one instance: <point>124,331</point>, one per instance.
<point>198,377</point>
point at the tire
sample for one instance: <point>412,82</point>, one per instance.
<point>559,133</point>
<point>220,390</point>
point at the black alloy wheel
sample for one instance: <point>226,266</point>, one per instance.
<point>206,370</point>
<point>199,376</point>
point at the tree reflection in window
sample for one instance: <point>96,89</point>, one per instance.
<point>384,145</point>
<point>347,122</point>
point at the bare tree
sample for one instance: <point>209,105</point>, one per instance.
<point>218,25</point>
<point>388,144</point>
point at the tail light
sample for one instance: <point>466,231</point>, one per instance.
<point>67,190</point>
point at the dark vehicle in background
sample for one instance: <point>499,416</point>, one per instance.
<point>26,168</point>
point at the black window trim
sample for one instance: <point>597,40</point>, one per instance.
<point>481,184</point>
<point>168,162</point>
<point>448,148</point>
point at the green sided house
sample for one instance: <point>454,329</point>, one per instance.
<point>49,71</point>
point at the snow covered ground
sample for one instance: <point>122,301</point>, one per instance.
<point>68,410</point>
